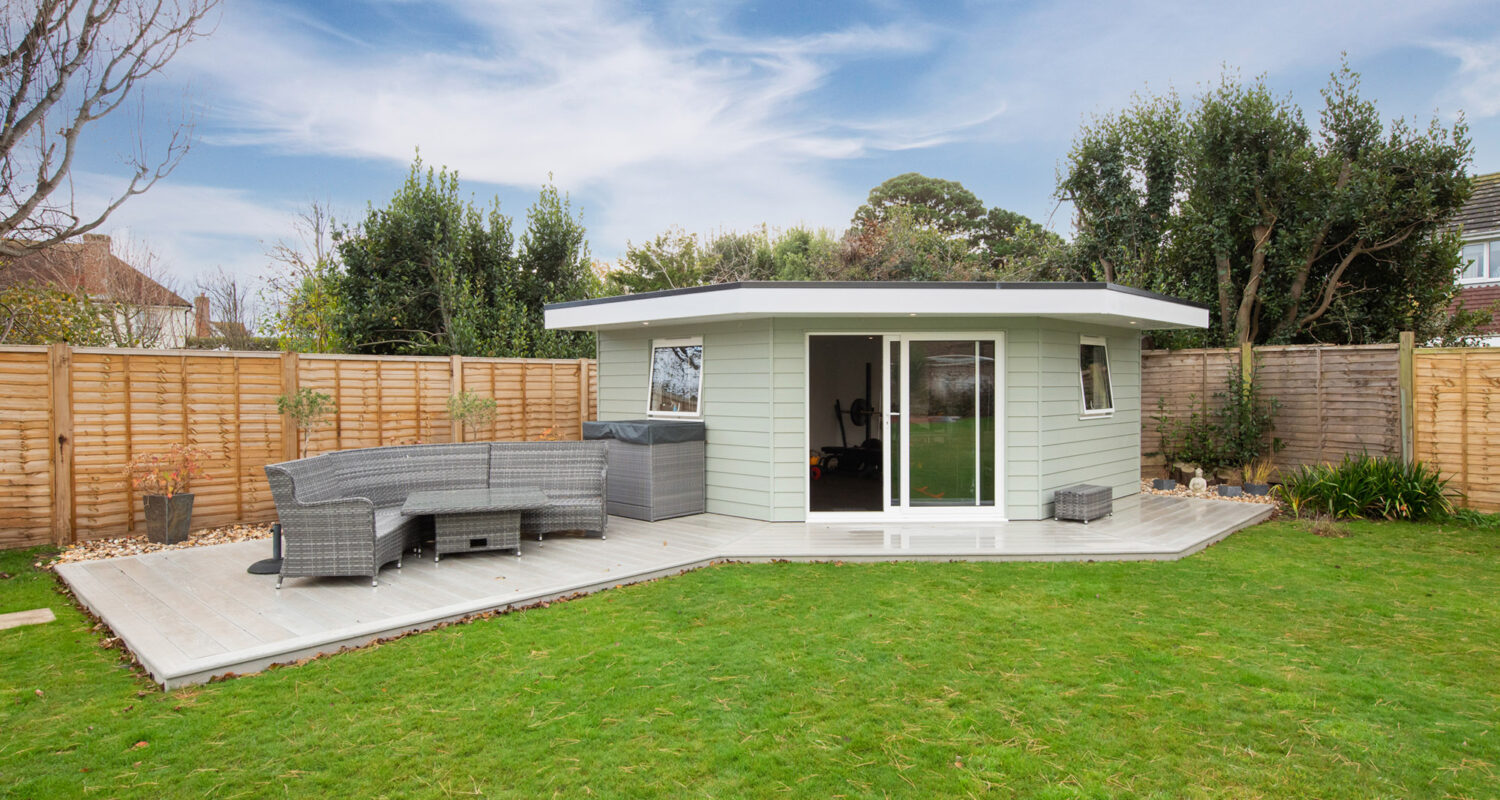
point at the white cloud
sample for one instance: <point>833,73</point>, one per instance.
<point>1476,84</point>
<point>194,229</point>
<point>586,92</point>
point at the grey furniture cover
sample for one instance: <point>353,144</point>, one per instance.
<point>657,467</point>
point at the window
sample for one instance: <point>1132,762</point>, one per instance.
<point>1093,364</point>
<point>676,377</point>
<point>1481,262</point>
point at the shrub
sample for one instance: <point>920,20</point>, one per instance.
<point>1236,432</point>
<point>307,408</point>
<point>168,473</point>
<point>1243,424</point>
<point>1362,486</point>
<point>471,410</point>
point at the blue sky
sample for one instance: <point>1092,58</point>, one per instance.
<point>722,115</point>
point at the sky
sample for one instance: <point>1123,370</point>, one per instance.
<point>713,116</point>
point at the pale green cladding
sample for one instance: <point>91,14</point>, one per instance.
<point>754,397</point>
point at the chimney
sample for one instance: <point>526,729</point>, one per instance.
<point>205,328</point>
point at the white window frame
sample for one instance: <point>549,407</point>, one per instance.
<point>1084,411</point>
<point>687,341</point>
<point>1489,270</point>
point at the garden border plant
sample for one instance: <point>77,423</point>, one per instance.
<point>1363,486</point>
<point>1236,431</point>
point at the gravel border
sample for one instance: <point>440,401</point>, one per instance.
<point>97,549</point>
<point>1183,491</point>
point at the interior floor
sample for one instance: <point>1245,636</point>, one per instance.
<point>847,492</point>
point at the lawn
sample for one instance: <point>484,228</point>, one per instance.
<point>1275,664</point>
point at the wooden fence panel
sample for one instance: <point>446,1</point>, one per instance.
<point>25,447</point>
<point>1457,419</point>
<point>109,405</point>
<point>1333,400</point>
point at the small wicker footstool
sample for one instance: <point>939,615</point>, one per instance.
<point>1084,502</point>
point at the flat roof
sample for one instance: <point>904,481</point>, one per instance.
<point>1094,303</point>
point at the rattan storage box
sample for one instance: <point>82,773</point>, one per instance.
<point>656,467</point>
<point>1083,502</point>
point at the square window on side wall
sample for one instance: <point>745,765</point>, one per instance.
<point>1473,259</point>
<point>676,378</point>
<point>1093,366</point>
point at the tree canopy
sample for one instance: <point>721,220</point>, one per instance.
<point>1289,234</point>
<point>432,274</point>
<point>912,227</point>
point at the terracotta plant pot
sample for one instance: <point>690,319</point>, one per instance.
<point>1258,489</point>
<point>1229,491</point>
<point>1163,484</point>
<point>167,517</point>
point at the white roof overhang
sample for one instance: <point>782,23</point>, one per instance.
<point>1094,303</point>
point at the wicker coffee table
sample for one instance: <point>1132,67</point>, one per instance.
<point>470,520</point>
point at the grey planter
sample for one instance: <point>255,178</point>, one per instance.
<point>167,517</point>
<point>1229,491</point>
<point>1163,484</point>
<point>1258,489</point>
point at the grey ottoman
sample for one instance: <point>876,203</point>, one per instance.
<point>1083,502</point>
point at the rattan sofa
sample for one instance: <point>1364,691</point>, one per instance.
<point>340,513</point>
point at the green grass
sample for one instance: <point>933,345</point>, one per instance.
<point>1276,664</point>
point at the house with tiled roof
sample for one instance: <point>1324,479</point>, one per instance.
<point>147,314</point>
<point>1479,224</point>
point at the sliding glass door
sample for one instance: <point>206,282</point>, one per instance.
<point>943,423</point>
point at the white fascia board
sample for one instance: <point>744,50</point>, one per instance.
<point>758,302</point>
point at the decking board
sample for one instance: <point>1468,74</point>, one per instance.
<point>191,614</point>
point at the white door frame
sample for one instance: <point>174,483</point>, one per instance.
<point>904,511</point>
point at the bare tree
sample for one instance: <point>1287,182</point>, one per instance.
<point>230,308</point>
<point>65,64</point>
<point>299,298</point>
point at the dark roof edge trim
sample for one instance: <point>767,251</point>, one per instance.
<point>999,285</point>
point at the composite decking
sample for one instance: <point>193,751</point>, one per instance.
<point>189,615</point>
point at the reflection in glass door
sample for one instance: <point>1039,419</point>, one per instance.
<point>948,421</point>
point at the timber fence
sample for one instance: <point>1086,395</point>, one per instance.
<point>71,419</point>
<point>1437,405</point>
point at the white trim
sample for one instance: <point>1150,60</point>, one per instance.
<point>1084,412</point>
<point>1097,306</point>
<point>686,341</point>
<point>1487,260</point>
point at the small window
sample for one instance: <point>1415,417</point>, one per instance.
<point>1093,363</point>
<point>1473,261</point>
<point>676,377</point>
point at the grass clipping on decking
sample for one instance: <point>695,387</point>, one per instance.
<point>1276,664</point>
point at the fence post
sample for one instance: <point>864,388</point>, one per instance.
<point>455,386</point>
<point>583,394</point>
<point>60,388</point>
<point>1406,379</point>
<point>1247,364</point>
<point>290,443</point>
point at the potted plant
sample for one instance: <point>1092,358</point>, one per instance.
<point>1258,475</point>
<point>307,408</point>
<point>471,411</point>
<point>164,480</point>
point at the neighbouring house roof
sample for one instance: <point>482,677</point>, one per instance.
<point>1478,298</point>
<point>1095,303</point>
<point>1481,214</point>
<point>90,267</point>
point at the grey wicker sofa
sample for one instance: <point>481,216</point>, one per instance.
<point>340,513</point>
